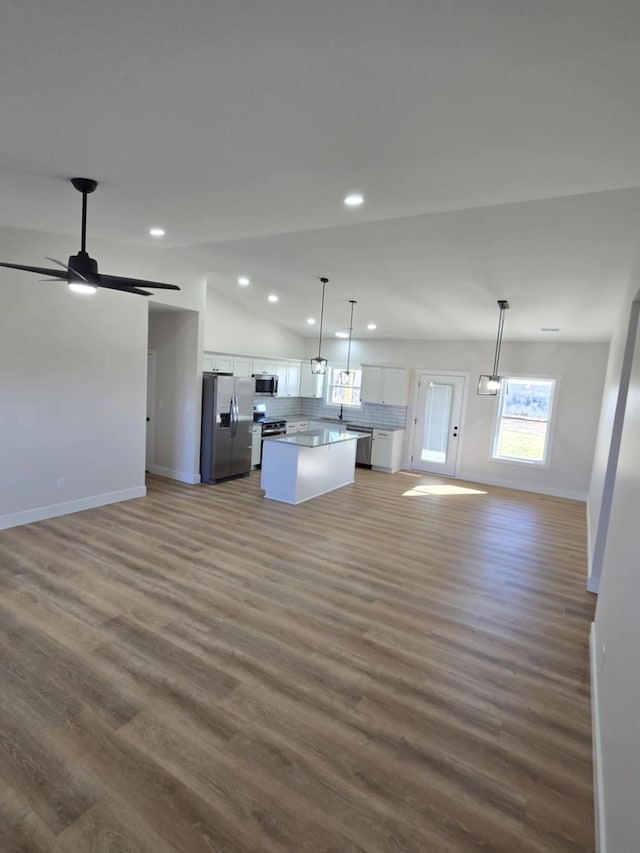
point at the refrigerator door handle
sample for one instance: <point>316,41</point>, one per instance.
<point>234,415</point>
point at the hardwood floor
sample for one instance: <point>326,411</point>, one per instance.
<point>381,669</point>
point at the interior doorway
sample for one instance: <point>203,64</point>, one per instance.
<point>151,393</point>
<point>438,416</point>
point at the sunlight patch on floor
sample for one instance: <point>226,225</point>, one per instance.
<point>441,489</point>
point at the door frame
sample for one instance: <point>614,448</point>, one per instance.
<point>150,432</point>
<point>462,374</point>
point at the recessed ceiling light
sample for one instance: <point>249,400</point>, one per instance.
<point>354,199</point>
<point>311,321</point>
<point>243,281</point>
<point>342,334</point>
<point>272,297</point>
<point>371,327</point>
<point>549,328</point>
<point>157,232</point>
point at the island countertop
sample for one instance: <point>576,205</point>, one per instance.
<point>316,437</point>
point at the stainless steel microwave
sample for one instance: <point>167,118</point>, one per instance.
<point>265,385</point>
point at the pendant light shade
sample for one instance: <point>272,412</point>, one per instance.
<point>489,384</point>
<point>347,376</point>
<point>319,364</point>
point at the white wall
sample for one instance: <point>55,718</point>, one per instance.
<point>616,642</point>
<point>580,369</point>
<point>173,335</point>
<point>73,377</point>
<point>231,328</point>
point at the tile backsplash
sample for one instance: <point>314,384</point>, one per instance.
<point>369,414</point>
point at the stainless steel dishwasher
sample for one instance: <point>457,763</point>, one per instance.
<point>363,450</point>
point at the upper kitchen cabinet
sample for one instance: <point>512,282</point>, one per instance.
<point>242,366</point>
<point>288,373</point>
<point>261,365</point>
<point>311,384</point>
<point>217,362</point>
<point>386,385</point>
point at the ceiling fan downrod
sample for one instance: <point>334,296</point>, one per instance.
<point>84,186</point>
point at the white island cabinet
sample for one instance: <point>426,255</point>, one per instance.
<point>296,468</point>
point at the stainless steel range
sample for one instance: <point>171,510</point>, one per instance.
<point>269,427</point>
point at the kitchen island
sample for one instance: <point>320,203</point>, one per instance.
<point>296,468</point>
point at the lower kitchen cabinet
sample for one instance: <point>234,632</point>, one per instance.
<point>386,449</point>
<point>256,441</point>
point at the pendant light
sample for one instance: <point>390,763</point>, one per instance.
<point>319,364</point>
<point>489,385</point>
<point>347,376</point>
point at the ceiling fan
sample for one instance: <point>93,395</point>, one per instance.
<point>81,273</point>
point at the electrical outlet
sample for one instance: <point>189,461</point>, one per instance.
<point>602,654</point>
<point>61,482</point>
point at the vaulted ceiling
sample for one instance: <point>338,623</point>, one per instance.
<point>495,141</point>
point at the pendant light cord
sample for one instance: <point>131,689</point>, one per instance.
<point>496,359</point>
<point>503,307</point>
<point>353,302</point>
<point>324,284</point>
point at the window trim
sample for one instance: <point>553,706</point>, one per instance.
<point>330,386</point>
<point>551,423</point>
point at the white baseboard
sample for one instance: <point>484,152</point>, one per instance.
<point>42,513</point>
<point>171,474</point>
<point>522,487</point>
<point>593,585</point>
<point>598,787</point>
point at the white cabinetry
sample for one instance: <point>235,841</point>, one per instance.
<point>242,366</point>
<point>386,449</point>
<point>387,385</point>
<point>256,441</point>
<point>217,362</point>
<point>311,384</point>
<point>261,365</point>
<point>288,373</point>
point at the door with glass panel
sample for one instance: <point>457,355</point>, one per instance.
<point>437,423</point>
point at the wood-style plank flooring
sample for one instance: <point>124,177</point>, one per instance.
<point>382,669</point>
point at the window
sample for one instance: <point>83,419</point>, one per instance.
<point>344,389</point>
<point>524,416</point>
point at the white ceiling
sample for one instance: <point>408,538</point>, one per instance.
<point>240,127</point>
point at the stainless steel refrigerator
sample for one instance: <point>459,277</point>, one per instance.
<point>227,418</point>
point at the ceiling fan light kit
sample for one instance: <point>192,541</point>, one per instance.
<point>81,271</point>
<point>489,384</point>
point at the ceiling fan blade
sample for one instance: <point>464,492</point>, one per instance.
<point>39,270</point>
<point>52,279</point>
<point>68,268</point>
<point>106,280</point>
<point>122,288</point>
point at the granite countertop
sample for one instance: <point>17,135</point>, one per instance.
<point>344,422</point>
<point>316,437</point>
